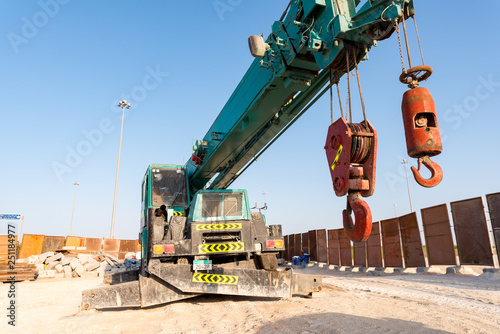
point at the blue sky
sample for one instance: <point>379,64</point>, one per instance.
<point>177,63</point>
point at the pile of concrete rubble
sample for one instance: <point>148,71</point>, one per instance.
<point>58,265</point>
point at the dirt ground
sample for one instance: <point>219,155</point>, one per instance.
<point>350,302</point>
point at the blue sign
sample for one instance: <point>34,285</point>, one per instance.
<point>10,217</point>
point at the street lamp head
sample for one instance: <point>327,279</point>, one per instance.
<point>76,183</point>
<point>123,104</point>
<point>404,161</point>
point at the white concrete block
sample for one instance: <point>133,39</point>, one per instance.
<point>68,272</point>
<point>44,256</point>
<point>53,258</point>
<point>66,260</point>
<point>32,259</point>
<point>79,270</point>
<point>74,263</point>
<point>84,257</point>
<point>59,268</point>
<point>51,265</point>
<point>46,274</point>
<point>91,266</point>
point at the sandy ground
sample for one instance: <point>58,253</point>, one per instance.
<point>349,303</point>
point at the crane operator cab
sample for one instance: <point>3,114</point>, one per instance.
<point>214,224</point>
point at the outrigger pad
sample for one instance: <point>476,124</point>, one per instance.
<point>307,283</point>
<point>147,291</point>
<point>119,295</point>
<point>154,292</point>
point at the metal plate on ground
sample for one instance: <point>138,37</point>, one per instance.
<point>494,211</point>
<point>374,247</point>
<point>359,249</point>
<point>345,249</point>
<point>438,239</point>
<point>471,232</point>
<point>313,246</point>
<point>298,244</point>
<point>52,243</point>
<point>32,244</point>
<point>391,243</point>
<point>322,246</point>
<point>333,247</point>
<point>305,242</point>
<point>412,243</point>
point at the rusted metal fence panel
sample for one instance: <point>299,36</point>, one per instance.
<point>93,245</point>
<point>322,246</point>
<point>494,210</point>
<point>374,247</point>
<point>305,242</point>
<point>75,242</point>
<point>413,251</point>
<point>285,253</point>
<point>345,249</point>
<point>333,247</point>
<point>4,248</point>
<point>359,249</point>
<point>438,238</point>
<point>313,246</point>
<point>291,246</point>
<point>32,244</point>
<point>127,246</point>
<point>51,244</point>
<point>297,243</point>
<point>471,232</point>
<point>111,247</point>
<point>391,243</point>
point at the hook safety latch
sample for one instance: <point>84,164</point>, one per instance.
<point>359,230</point>
<point>434,168</point>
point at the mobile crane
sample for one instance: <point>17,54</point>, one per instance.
<point>199,237</point>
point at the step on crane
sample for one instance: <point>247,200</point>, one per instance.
<point>197,236</point>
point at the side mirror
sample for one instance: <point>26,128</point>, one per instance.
<point>257,46</point>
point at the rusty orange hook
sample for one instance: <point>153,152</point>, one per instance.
<point>437,173</point>
<point>359,231</point>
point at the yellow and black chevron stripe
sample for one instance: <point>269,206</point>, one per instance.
<point>337,157</point>
<point>205,227</point>
<point>215,279</point>
<point>178,213</point>
<point>221,248</point>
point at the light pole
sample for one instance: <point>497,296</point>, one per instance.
<point>405,162</point>
<point>122,104</point>
<point>73,211</point>
<point>395,214</point>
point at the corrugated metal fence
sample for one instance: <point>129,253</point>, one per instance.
<point>36,244</point>
<point>396,242</point>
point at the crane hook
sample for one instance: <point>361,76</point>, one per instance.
<point>437,173</point>
<point>361,229</point>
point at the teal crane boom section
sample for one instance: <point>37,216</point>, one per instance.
<point>312,46</point>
